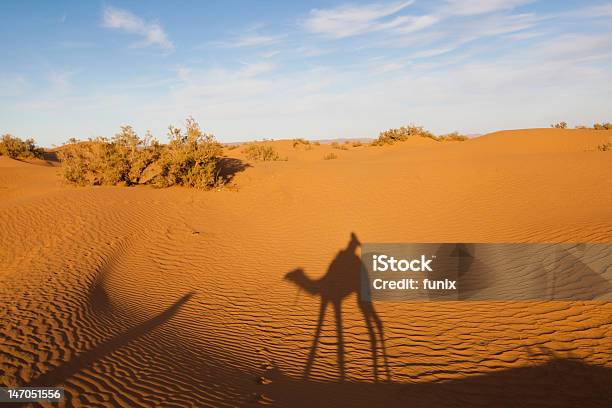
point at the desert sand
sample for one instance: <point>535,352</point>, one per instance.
<point>136,296</point>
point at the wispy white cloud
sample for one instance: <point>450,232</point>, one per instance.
<point>269,54</point>
<point>346,21</point>
<point>475,7</point>
<point>124,20</point>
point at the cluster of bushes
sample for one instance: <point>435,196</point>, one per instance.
<point>596,126</point>
<point>261,153</point>
<point>15,148</point>
<point>191,159</point>
<point>403,133</point>
<point>602,126</point>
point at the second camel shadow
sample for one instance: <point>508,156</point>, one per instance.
<point>343,278</point>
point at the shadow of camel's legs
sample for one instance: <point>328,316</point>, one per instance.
<point>315,341</point>
<point>373,346</point>
<point>379,326</point>
<point>339,336</point>
<point>369,314</point>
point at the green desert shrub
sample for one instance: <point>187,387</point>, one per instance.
<point>102,161</point>
<point>15,148</point>
<point>559,125</point>
<point>261,153</point>
<point>399,135</point>
<point>330,156</point>
<point>191,159</point>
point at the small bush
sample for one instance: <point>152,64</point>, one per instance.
<point>452,137</point>
<point>298,142</point>
<point>606,147</point>
<point>15,148</point>
<point>336,145</point>
<point>261,153</point>
<point>559,125</point>
<point>356,143</point>
<point>330,156</point>
<point>190,159</point>
<point>602,126</point>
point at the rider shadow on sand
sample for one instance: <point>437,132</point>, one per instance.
<point>343,278</point>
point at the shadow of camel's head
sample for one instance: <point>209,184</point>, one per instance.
<point>294,275</point>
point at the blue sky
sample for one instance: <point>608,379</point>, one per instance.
<point>314,69</point>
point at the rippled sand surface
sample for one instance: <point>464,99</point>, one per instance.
<point>174,297</point>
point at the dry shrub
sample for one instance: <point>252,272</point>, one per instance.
<point>356,143</point>
<point>602,126</point>
<point>336,145</point>
<point>191,159</point>
<point>559,125</point>
<point>606,147</point>
<point>399,135</point>
<point>302,142</point>
<point>15,148</point>
<point>403,133</point>
<point>261,153</point>
<point>452,137</point>
<point>298,142</point>
<point>330,156</point>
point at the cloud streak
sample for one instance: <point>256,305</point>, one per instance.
<point>477,7</point>
<point>347,21</point>
<point>151,33</point>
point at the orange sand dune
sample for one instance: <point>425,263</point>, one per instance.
<point>175,297</point>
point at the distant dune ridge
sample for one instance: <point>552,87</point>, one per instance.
<point>176,297</point>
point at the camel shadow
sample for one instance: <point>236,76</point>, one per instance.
<point>342,279</point>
